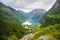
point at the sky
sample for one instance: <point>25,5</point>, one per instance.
<point>29,5</point>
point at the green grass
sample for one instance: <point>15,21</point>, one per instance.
<point>53,30</point>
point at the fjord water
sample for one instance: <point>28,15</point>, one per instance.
<point>33,21</point>
<point>51,27</point>
<point>30,21</point>
<point>11,27</point>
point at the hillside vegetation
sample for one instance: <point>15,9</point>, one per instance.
<point>11,27</point>
<point>10,23</point>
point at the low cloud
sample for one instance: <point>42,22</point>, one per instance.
<point>28,5</point>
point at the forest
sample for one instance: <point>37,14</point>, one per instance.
<point>47,24</point>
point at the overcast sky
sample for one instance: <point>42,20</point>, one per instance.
<point>28,5</point>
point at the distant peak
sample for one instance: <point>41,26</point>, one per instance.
<point>39,10</point>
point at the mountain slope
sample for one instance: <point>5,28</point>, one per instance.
<point>36,15</point>
<point>53,15</point>
<point>10,13</point>
<point>50,24</point>
<point>10,23</point>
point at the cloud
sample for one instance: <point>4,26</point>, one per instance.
<point>28,5</point>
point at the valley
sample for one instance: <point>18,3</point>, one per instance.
<point>38,24</point>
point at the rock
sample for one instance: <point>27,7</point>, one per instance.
<point>45,37</point>
<point>26,37</point>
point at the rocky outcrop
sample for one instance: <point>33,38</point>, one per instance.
<point>27,37</point>
<point>45,37</point>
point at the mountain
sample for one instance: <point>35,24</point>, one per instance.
<point>50,24</point>
<point>11,14</point>
<point>11,23</point>
<point>36,15</point>
<point>22,13</point>
<point>53,15</point>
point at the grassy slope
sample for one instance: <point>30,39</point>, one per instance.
<point>10,24</point>
<point>51,24</point>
